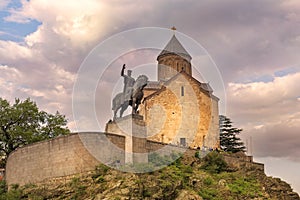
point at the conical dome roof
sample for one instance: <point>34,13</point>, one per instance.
<point>175,47</point>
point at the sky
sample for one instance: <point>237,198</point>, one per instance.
<point>254,44</point>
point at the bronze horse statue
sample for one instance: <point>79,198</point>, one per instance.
<point>136,97</point>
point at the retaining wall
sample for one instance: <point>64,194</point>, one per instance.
<point>58,157</point>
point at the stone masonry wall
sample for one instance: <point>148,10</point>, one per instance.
<point>58,157</point>
<point>80,152</point>
<point>182,110</point>
<point>240,160</point>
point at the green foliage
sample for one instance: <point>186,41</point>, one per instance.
<point>208,181</point>
<point>14,186</point>
<point>23,123</point>
<point>15,193</point>
<point>77,187</point>
<point>100,170</point>
<point>214,163</point>
<point>156,161</point>
<point>228,136</point>
<point>208,193</point>
<point>146,193</point>
<point>3,187</point>
<point>246,187</point>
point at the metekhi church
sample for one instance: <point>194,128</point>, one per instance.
<point>177,108</point>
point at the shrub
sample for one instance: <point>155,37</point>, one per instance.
<point>246,187</point>
<point>214,163</point>
<point>157,160</point>
<point>3,187</point>
<point>197,154</point>
<point>100,170</point>
<point>162,160</point>
<point>208,181</point>
<point>208,193</point>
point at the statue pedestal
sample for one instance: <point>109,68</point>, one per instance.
<point>133,128</point>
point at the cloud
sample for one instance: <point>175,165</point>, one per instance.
<point>79,22</point>
<point>269,113</point>
<point>245,39</point>
<point>9,51</point>
<point>279,139</point>
<point>266,98</point>
<point>4,3</point>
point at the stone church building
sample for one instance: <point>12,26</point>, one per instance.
<point>177,108</point>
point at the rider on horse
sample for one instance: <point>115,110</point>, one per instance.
<point>132,93</point>
<point>128,84</point>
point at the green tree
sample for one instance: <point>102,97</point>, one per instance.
<point>229,140</point>
<point>23,123</point>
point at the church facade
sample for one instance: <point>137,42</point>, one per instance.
<point>177,108</point>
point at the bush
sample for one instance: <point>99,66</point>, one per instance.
<point>214,163</point>
<point>208,181</point>
<point>3,187</point>
<point>197,154</point>
<point>158,160</point>
<point>208,193</point>
<point>162,160</point>
<point>247,187</point>
<point>100,170</point>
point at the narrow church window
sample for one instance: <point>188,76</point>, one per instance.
<point>182,91</point>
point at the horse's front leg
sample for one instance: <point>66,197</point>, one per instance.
<point>115,113</point>
<point>133,106</point>
<point>137,104</point>
<point>123,108</point>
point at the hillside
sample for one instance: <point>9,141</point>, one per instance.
<point>188,178</point>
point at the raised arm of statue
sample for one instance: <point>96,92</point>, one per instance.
<point>123,69</point>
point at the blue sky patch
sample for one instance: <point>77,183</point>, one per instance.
<point>263,78</point>
<point>14,4</point>
<point>15,31</point>
<point>255,79</point>
<point>286,71</point>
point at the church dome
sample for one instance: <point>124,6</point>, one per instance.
<point>175,47</point>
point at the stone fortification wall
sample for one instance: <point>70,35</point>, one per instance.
<point>240,161</point>
<point>58,157</point>
<point>81,152</point>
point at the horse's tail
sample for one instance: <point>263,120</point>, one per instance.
<point>114,103</point>
<point>113,106</point>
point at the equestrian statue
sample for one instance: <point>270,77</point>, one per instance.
<point>132,93</point>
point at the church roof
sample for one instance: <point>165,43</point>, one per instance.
<point>153,85</point>
<point>175,47</point>
<point>204,86</point>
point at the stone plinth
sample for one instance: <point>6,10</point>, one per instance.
<point>133,128</point>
